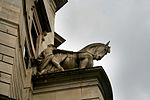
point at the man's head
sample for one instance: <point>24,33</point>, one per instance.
<point>51,46</point>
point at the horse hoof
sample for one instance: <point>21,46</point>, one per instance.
<point>61,69</point>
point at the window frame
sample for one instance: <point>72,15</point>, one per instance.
<point>38,32</point>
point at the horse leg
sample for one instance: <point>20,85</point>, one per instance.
<point>86,60</point>
<point>43,66</point>
<point>83,63</point>
<point>57,64</point>
<point>86,63</point>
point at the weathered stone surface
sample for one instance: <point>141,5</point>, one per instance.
<point>70,94</point>
<point>14,31</point>
<point>45,96</point>
<point>89,92</point>
<point>61,60</point>
<point>1,57</point>
<point>8,29</point>
<point>4,89</point>
<point>13,5</point>
<point>8,59</point>
<point>5,77</point>
<point>79,84</point>
<point>4,67</point>
<point>7,50</point>
<point>7,39</point>
<point>9,12</point>
<point>8,23</point>
<point>49,39</point>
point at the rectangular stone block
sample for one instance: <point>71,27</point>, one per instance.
<point>69,94</point>
<point>45,96</point>
<point>5,77</point>
<point>9,12</point>
<point>8,23</point>
<point>4,67</point>
<point>4,89</point>
<point>7,50</point>
<point>8,29</point>
<point>11,5</point>
<point>8,59</point>
<point>7,39</point>
<point>1,57</point>
<point>9,17</point>
<point>90,92</point>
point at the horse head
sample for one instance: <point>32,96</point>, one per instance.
<point>97,50</point>
<point>101,51</point>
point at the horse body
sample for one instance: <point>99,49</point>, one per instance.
<point>70,61</point>
<point>81,59</point>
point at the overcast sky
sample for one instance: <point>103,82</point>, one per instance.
<point>126,23</point>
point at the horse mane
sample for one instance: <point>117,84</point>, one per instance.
<point>63,51</point>
<point>90,46</point>
<point>93,45</point>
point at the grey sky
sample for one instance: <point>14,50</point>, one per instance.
<point>126,23</point>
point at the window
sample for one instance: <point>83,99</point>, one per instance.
<point>26,55</point>
<point>37,25</point>
<point>42,15</point>
<point>34,36</point>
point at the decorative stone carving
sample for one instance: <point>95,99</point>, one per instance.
<point>55,60</point>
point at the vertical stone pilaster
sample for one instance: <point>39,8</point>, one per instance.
<point>9,22</point>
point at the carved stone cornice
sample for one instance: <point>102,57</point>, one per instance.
<point>3,97</point>
<point>60,3</point>
<point>58,40</point>
<point>75,75</point>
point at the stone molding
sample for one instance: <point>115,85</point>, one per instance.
<point>3,97</point>
<point>94,76</point>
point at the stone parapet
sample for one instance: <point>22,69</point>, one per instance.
<point>77,84</point>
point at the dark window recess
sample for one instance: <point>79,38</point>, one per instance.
<point>42,16</point>
<point>26,55</point>
<point>34,36</point>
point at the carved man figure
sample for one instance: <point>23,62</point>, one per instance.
<point>47,57</point>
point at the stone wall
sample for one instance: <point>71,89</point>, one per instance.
<point>79,90</point>
<point>16,23</point>
<point>12,70</point>
<point>76,84</point>
<point>8,38</point>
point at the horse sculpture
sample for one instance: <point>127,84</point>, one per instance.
<point>64,60</point>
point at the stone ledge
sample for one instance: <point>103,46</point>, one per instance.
<point>3,97</point>
<point>65,86</point>
<point>75,75</point>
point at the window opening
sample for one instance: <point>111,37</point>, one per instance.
<point>26,55</point>
<point>34,36</point>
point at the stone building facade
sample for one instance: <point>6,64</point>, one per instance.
<point>26,28</point>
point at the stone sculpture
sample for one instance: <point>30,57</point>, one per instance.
<point>55,60</point>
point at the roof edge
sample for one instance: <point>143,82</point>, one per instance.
<point>60,4</point>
